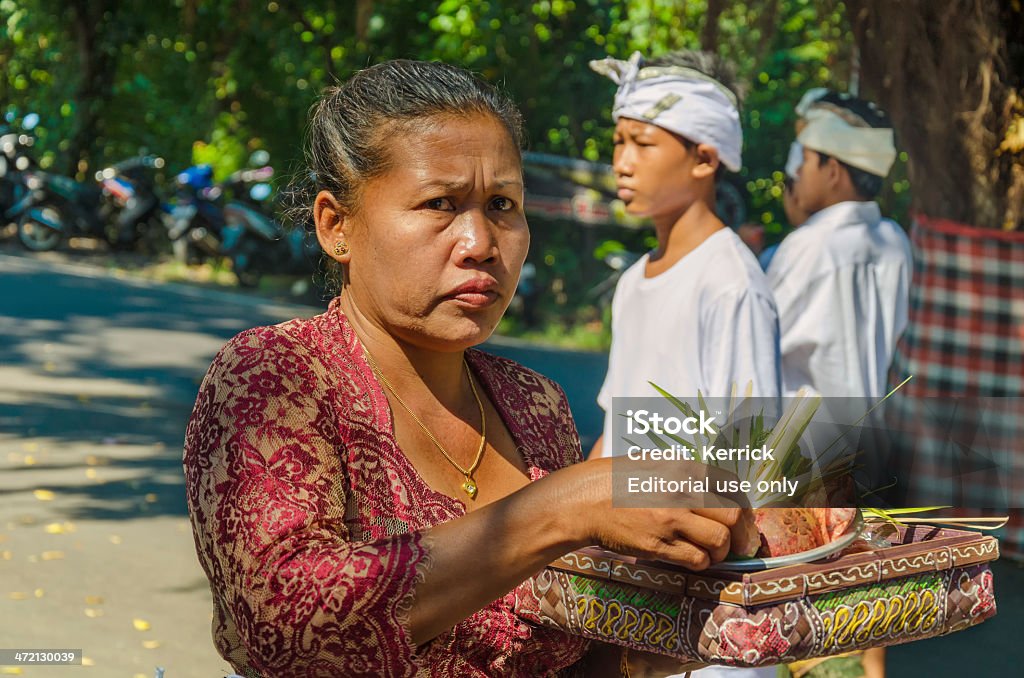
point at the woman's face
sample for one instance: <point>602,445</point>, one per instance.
<point>438,241</point>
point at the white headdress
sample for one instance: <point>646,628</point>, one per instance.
<point>678,99</point>
<point>836,132</point>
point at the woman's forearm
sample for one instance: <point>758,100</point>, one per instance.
<point>481,556</point>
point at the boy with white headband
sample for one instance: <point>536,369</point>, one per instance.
<point>696,315</point>
<point>794,215</point>
<point>841,280</point>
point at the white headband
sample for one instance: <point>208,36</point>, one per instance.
<point>871,149</point>
<point>795,160</point>
<point>678,99</point>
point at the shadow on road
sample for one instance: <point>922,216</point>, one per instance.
<point>103,374</point>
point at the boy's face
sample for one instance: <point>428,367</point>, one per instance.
<point>815,183</point>
<point>653,169</point>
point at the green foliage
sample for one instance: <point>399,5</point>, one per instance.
<point>236,76</point>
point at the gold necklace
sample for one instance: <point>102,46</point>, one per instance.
<point>469,486</point>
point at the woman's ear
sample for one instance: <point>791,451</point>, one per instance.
<point>332,226</point>
<point>706,161</point>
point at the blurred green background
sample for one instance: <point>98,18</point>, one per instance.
<point>213,81</point>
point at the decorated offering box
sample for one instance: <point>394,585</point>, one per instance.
<point>931,582</point>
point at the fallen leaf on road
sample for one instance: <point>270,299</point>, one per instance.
<point>60,528</point>
<point>90,473</point>
<point>88,661</point>
<point>6,555</point>
<point>43,495</point>
<point>140,624</point>
<point>94,600</point>
<point>151,644</point>
<point>17,595</point>
<point>114,539</point>
<point>151,498</point>
<point>92,612</point>
<point>30,460</point>
<point>52,555</point>
<point>10,670</point>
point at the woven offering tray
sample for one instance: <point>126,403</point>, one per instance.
<point>932,582</point>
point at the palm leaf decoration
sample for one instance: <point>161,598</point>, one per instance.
<point>743,428</point>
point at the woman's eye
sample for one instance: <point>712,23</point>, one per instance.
<point>443,204</point>
<point>502,204</point>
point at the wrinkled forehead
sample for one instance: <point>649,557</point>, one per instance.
<point>438,128</point>
<point>459,148</point>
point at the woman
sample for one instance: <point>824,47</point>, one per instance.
<point>366,491</point>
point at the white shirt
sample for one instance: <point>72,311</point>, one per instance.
<point>841,283</point>
<point>706,323</point>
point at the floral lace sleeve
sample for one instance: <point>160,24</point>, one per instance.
<point>263,464</point>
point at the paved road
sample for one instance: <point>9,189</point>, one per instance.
<point>97,378</point>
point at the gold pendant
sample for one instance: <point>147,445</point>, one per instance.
<point>469,487</point>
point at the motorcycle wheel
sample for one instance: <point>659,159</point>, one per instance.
<point>36,236</point>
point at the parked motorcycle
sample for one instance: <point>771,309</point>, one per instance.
<point>196,227</point>
<point>15,158</point>
<point>140,216</point>
<point>258,244</point>
<point>120,207</point>
<point>197,217</point>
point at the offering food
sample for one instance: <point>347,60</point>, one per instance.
<point>786,531</point>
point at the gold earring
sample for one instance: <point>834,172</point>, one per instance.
<point>340,248</point>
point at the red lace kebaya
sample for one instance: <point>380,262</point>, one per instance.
<point>308,517</point>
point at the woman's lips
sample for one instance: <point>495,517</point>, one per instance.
<point>626,194</point>
<point>476,299</point>
<point>476,293</point>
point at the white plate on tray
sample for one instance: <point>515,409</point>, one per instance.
<point>757,564</point>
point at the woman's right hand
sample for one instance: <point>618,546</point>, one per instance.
<point>694,538</point>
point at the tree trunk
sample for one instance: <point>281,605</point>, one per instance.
<point>709,36</point>
<point>97,66</point>
<point>364,12</point>
<point>950,74</point>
